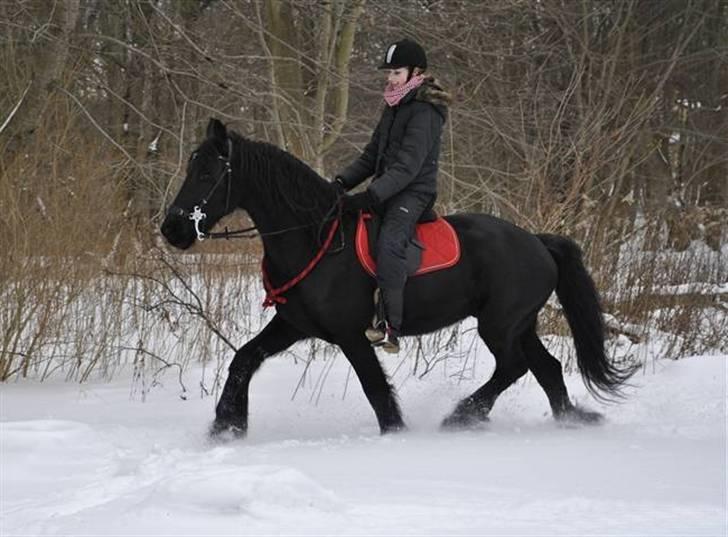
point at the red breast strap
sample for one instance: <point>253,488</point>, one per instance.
<point>275,295</point>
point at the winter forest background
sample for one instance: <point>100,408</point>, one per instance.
<point>604,120</point>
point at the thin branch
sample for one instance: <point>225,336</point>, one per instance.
<point>15,109</point>
<point>104,133</point>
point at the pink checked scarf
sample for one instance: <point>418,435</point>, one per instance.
<point>393,95</point>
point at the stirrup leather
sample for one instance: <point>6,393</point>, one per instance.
<point>380,334</point>
<point>376,332</point>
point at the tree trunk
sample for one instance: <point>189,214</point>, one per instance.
<point>49,59</point>
<point>310,124</point>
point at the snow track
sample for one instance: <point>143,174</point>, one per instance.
<point>82,460</point>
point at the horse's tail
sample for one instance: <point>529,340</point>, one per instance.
<point>580,300</point>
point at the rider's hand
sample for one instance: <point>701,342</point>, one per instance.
<point>362,201</point>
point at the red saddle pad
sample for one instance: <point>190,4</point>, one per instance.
<point>442,246</point>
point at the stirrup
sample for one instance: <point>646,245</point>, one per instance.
<point>376,334</point>
<point>390,342</point>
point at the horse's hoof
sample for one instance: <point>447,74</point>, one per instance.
<point>225,431</point>
<point>579,416</point>
<point>459,422</point>
<point>390,429</point>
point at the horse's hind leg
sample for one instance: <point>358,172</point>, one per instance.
<point>510,365</point>
<point>547,371</point>
<point>231,413</point>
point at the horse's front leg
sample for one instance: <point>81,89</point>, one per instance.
<point>375,383</point>
<point>231,413</point>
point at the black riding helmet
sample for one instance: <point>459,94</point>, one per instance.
<point>404,53</point>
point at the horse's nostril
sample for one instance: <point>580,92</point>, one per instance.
<point>177,233</point>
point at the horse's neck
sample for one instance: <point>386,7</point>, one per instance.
<point>285,237</point>
<point>289,236</point>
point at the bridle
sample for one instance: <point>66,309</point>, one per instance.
<point>198,215</point>
<point>273,295</point>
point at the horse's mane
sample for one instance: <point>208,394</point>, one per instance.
<point>280,180</point>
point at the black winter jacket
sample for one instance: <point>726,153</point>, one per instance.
<point>404,150</point>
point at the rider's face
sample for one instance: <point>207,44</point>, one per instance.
<point>397,77</point>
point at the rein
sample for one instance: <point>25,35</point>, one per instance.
<point>273,294</point>
<point>241,233</point>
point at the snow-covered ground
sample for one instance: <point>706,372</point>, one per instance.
<point>94,459</point>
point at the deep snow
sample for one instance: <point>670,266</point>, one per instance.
<point>93,459</point>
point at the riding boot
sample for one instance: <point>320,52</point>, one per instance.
<point>393,300</point>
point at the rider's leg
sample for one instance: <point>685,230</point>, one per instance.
<point>401,214</point>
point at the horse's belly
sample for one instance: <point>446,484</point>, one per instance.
<point>428,308</point>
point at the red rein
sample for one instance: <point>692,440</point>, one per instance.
<point>273,296</point>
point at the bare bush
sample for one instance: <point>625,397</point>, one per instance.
<point>602,120</point>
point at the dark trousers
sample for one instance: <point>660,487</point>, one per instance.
<point>399,218</point>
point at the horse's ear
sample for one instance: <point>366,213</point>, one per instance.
<point>216,130</point>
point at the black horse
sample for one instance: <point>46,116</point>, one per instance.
<point>504,277</point>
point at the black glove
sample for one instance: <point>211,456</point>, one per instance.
<point>362,201</point>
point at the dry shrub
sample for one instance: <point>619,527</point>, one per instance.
<point>87,289</point>
<point>84,288</point>
<point>660,301</point>
<point>564,121</point>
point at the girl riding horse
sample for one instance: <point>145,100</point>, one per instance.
<point>402,155</point>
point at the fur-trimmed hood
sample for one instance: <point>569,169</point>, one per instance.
<point>432,91</point>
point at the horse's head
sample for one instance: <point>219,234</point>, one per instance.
<point>208,192</point>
